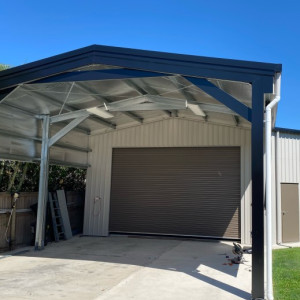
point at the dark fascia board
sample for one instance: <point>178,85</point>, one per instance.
<point>98,75</point>
<point>286,130</point>
<point>161,62</point>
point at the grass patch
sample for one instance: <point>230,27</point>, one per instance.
<point>286,274</point>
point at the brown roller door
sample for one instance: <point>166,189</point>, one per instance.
<point>176,191</point>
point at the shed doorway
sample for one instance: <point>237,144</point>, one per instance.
<point>176,191</point>
<point>290,212</point>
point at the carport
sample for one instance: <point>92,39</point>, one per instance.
<point>51,108</point>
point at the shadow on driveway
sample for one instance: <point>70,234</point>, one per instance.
<point>101,266</point>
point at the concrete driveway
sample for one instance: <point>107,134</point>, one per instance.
<point>121,267</point>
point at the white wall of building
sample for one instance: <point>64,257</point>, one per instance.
<point>172,132</point>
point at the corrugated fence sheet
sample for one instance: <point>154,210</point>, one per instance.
<point>173,132</point>
<point>23,219</point>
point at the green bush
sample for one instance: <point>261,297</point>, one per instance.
<point>24,177</point>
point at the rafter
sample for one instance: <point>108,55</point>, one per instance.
<point>221,96</point>
<point>143,92</point>
<point>73,108</point>
<point>189,97</point>
<point>106,99</point>
<point>27,112</point>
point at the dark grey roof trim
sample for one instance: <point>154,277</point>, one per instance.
<point>99,75</point>
<point>153,61</point>
<point>287,130</point>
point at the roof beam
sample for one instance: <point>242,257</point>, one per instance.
<point>98,111</point>
<point>73,108</point>
<point>148,102</point>
<point>32,114</point>
<point>72,147</point>
<point>8,92</point>
<point>81,129</point>
<point>39,140</point>
<point>143,92</point>
<point>190,98</point>
<point>221,96</point>
<point>68,116</point>
<point>127,113</point>
<point>19,109</point>
<point>160,99</point>
<point>20,136</point>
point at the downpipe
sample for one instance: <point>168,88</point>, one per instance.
<point>268,137</point>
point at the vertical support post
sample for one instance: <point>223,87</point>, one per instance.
<point>259,88</point>
<point>43,186</point>
<point>257,161</point>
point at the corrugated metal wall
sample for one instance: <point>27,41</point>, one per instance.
<point>173,132</point>
<point>289,157</point>
<point>13,147</point>
<point>287,151</point>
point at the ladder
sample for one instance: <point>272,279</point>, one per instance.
<point>57,222</point>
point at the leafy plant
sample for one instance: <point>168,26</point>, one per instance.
<point>3,67</point>
<point>24,177</point>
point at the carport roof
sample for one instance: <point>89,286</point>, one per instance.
<point>100,76</point>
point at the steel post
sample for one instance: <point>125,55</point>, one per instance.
<point>257,160</point>
<point>43,186</point>
<point>259,88</point>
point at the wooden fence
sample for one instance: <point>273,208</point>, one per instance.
<point>25,217</point>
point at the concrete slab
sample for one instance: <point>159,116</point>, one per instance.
<point>121,267</point>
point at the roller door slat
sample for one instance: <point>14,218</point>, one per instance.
<point>178,191</point>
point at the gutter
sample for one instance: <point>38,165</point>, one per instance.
<point>268,136</point>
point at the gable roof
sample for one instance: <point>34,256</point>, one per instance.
<point>97,76</point>
<point>161,62</point>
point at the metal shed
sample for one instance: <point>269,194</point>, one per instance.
<point>286,176</point>
<point>89,107</point>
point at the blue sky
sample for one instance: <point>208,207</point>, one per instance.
<point>267,31</point>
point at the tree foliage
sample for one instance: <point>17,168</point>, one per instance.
<point>24,177</point>
<point>3,67</point>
